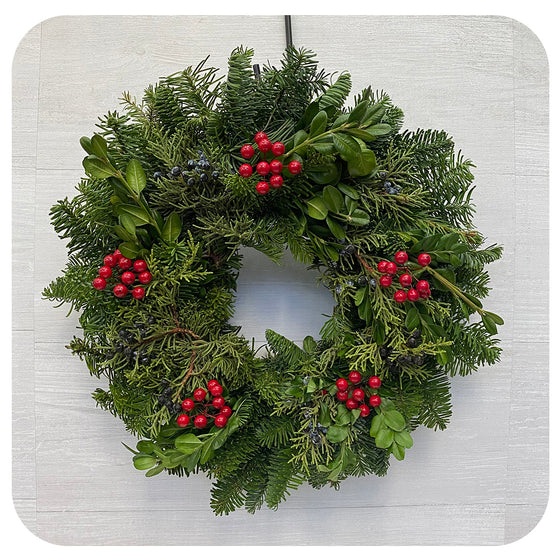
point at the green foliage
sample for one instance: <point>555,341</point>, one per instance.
<point>366,190</point>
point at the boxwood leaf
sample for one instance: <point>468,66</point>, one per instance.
<point>97,168</point>
<point>172,227</point>
<point>318,124</point>
<point>359,112</point>
<point>395,420</point>
<point>155,470</point>
<point>384,438</point>
<point>188,443</point>
<point>412,320</point>
<point>85,142</point>
<point>379,129</point>
<point>359,218</point>
<point>324,174</point>
<point>404,438</point>
<point>363,163</point>
<point>333,199</point>
<point>135,176</point>
<point>398,451</point>
<point>376,424</point>
<point>336,434</point>
<point>99,146</point>
<point>143,462</point>
<point>317,209</point>
<point>347,147</point>
<point>336,229</point>
<point>349,191</point>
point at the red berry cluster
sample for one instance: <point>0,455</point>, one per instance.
<point>122,266</point>
<point>353,392</point>
<point>264,167</point>
<point>202,412</point>
<point>389,269</point>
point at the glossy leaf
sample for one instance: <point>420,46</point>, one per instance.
<point>143,462</point>
<point>129,249</point>
<point>140,215</point>
<point>333,199</point>
<point>359,112</point>
<point>155,471</point>
<point>336,229</point>
<point>394,420</point>
<point>363,163</point>
<point>349,191</point>
<point>187,443</point>
<point>324,174</point>
<point>379,129</point>
<point>318,124</point>
<point>384,438</point>
<point>135,176</point>
<point>99,146</point>
<point>404,439</point>
<point>317,208</point>
<point>359,218</point>
<point>97,168</point>
<point>337,434</point>
<point>398,451</point>
<point>85,142</point>
<point>172,227</point>
<point>346,146</point>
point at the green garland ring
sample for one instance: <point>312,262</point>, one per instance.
<point>383,216</point>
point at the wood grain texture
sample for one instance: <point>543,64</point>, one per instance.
<point>485,80</point>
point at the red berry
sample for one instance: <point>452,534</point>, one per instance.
<point>400,296</point>
<point>120,290</point>
<point>276,181</point>
<point>342,395</point>
<point>216,390</point>
<point>294,167</point>
<point>226,411</point>
<point>145,277</point>
<point>220,420</point>
<point>110,260</point>
<point>422,286</point>
<point>276,167</point>
<point>374,382</point>
<point>375,400</point>
<point>247,151</point>
<point>386,280</point>
<point>354,377</point>
<point>245,170</point>
<point>426,294</point>
<point>412,295</point>
<point>382,266</point>
<point>358,395</point>
<point>263,168</point>
<point>405,280</point>
<point>364,410</point>
<point>218,402</point>
<point>128,278</point>
<point>105,272</point>
<point>183,420</point>
<point>351,404</point>
<point>200,421</point>
<point>124,263</point>
<point>391,268</point>
<point>138,292</point>
<point>424,259</point>
<point>212,382</point>
<point>99,283</point>
<point>262,187</point>
<point>140,265</point>
<point>187,404</point>
<point>265,145</point>
<point>117,254</point>
<point>342,384</point>
<point>199,394</point>
<point>401,257</point>
<point>278,148</point>
<point>260,136</point>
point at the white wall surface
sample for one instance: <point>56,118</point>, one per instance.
<point>484,480</point>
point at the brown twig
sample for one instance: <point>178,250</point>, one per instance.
<point>189,372</point>
<point>161,335</point>
<point>364,263</point>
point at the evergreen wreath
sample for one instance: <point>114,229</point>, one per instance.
<point>178,183</point>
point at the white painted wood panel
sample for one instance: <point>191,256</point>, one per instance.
<point>484,79</point>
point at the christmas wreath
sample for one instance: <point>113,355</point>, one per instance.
<point>202,166</point>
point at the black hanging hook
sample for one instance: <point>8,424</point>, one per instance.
<point>288,26</point>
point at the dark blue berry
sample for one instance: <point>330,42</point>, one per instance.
<point>151,320</point>
<point>185,175</point>
<point>190,182</point>
<point>339,289</point>
<point>215,174</point>
<point>191,164</point>
<point>387,185</point>
<point>362,281</point>
<point>203,177</point>
<point>158,175</point>
<point>350,249</point>
<point>176,171</point>
<point>161,400</point>
<point>373,282</point>
<point>382,175</point>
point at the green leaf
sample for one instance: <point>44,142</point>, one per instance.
<point>398,451</point>
<point>333,199</point>
<point>323,468</point>
<point>155,470</point>
<point>379,129</point>
<point>496,318</point>
<point>489,324</point>
<point>404,439</point>
<point>394,420</point>
<point>318,124</point>
<point>128,223</point>
<point>359,112</point>
<point>309,344</point>
<point>359,218</point>
<point>343,416</point>
<point>135,176</point>
<point>349,191</point>
<point>141,216</point>
<point>99,146</point>
<point>97,168</point>
<point>143,462</point>
<point>145,446</point>
<point>325,148</point>
<point>129,249</point>
<point>172,227</point>
<point>336,229</point>
<point>412,320</point>
<point>361,134</point>
<point>363,163</point>
<point>384,438</point>
<point>374,114</point>
<point>122,233</point>
<point>324,415</point>
<point>340,120</point>
<point>188,443</point>
<point>351,204</point>
<point>191,460</point>
<point>317,208</point>
<point>85,142</point>
<point>379,332</point>
<point>324,174</point>
<point>337,434</point>
<point>376,424</point>
<point>359,295</point>
<point>346,146</point>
